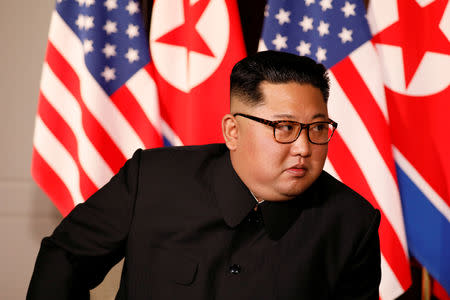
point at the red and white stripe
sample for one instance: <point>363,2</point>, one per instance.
<point>360,155</point>
<point>83,136</point>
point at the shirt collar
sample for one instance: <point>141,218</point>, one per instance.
<point>235,201</point>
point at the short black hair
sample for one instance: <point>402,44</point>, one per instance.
<point>275,67</point>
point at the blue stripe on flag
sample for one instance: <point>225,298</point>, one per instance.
<point>166,141</point>
<point>427,230</point>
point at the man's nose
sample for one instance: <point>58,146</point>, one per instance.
<point>302,145</point>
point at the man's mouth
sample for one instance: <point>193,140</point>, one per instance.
<point>297,170</point>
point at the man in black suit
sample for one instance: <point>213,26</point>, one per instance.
<point>256,218</point>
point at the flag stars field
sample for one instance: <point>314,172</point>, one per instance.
<point>319,21</point>
<point>109,30</point>
<point>283,16</point>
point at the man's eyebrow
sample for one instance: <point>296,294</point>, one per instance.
<point>319,115</point>
<point>290,117</point>
<point>283,116</point>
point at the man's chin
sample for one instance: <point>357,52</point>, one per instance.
<point>294,191</point>
<point>284,196</point>
<point>286,190</point>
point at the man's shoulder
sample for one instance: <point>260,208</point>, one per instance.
<point>181,156</point>
<point>184,151</point>
<point>343,200</point>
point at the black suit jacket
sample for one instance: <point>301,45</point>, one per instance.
<point>185,223</point>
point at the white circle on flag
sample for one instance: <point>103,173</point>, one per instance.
<point>180,67</point>
<point>432,75</point>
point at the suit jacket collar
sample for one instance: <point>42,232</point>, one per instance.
<point>235,201</point>
<point>233,197</point>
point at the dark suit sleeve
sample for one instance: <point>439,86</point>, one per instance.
<point>89,241</point>
<point>362,275</point>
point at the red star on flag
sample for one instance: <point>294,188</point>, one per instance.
<point>186,35</point>
<point>416,32</point>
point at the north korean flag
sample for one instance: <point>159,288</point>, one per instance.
<point>412,39</point>
<point>194,45</point>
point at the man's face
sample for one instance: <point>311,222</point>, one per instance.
<point>274,171</point>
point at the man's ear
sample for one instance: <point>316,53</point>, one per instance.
<point>230,131</point>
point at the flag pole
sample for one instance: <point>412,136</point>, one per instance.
<point>426,285</point>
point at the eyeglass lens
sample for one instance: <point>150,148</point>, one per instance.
<point>319,133</point>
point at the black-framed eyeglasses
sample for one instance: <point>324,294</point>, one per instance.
<point>286,132</point>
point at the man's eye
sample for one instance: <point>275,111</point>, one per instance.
<point>285,127</point>
<point>319,127</point>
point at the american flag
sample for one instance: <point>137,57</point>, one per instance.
<point>336,34</point>
<point>98,101</point>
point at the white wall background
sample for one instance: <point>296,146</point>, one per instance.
<point>26,214</point>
